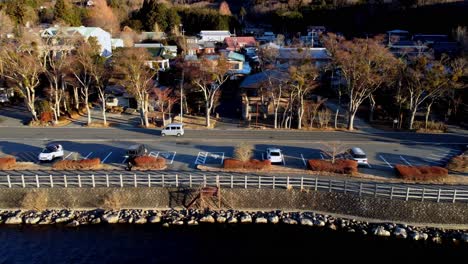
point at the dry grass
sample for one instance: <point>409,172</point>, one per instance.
<point>98,124</point>
<point>7,163</point>
<point>243,151</point>
<point>114,200</point>
<point>248,165</point>
<point>195,122</point>
<point>36,199</point>
<point>458,164</point>
<point>84,164</point>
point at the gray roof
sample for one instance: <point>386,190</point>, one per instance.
<point>255,80</point>
<point>311,53</point>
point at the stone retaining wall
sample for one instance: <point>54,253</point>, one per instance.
<point>241,199</point>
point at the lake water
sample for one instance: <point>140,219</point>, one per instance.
<point>209,244</point>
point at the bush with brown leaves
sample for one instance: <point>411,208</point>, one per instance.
<point>148,162</point>
<point>7,163</point>
<point>340,166</point>
<point>84,164</point>
<point>421,173</point>
<point>459,164</point>
<point>249,165</point>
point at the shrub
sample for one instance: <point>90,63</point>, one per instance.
<point>36,199</point>
<point>250,164</point>
<point>431,125</point>
<point>243,152</point>
<point>340,166</point>
<point>420,173</point>
<point>46,117</point>
<point>148,162</point>
<point>7,163</point>
<point>459,164</point>
<point>94,163</point>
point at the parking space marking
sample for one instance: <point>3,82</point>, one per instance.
<point>321,156</point>
<point>89,155</point>
<point>123,161</point>
<point>166,155</point>
<point>303,160</point>
<point>68,155</point>
<point>104,160</point>
<point>433,162</point>
<point>216,155</point>
<point>284,161</point>
<point>382,158</point>
<point>368,165</point>
<point>201,158</point>
<point>403,159</point>
<point>152,154</point>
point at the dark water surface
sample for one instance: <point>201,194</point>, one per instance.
<point>210,244</point>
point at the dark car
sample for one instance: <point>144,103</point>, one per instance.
<point>135,151</point>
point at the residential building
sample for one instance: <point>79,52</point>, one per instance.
<point>318,56</point>
<point>214,35</point>
<point>237,43</point>
<point>160,55</point>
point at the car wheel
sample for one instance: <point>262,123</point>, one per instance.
<point>178,134</point>
<point>163,134</point>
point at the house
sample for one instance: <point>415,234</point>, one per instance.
<point>238,65</point>
<point>408,48</point>
<point>237,43</point>
<point>117,43</point>
<point>268,36</point>
<point>214,35</point>
<point>161,55</point>
<point>318,56</point>
<point>103,37</point>
<point>397,35</point>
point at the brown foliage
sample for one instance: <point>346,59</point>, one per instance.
<point>224,9</point>
<point>7,163</point>
<point>148,162</point>
<point>243,152</point>
<point>340,166</point>
<point>101,15</point>
<point>250,164</point>
<point>94,163</point>
<point>420,173</point>
<point>458,163</point>
<point>35,199</point>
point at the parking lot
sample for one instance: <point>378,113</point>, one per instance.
<point>186,155</point>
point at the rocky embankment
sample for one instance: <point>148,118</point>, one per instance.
<point>75,218</point>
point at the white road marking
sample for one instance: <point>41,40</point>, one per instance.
<point>403,159</point>
<point>123,161</point>
<point>433,162</point>
<point>303,160</point>
<point>222,158</point>
<point>321,155</point>
<point>69,155</point>
<point>89,155</point>
<point>368,165</point>
<point>284,161</point>
<point>439,156</point>
<point>382,158</point>
<point>104,160</point>
<point>201,157</point>
<point>152,154</point>
<point>173,156</point>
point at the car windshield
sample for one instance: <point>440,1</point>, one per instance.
<point>275,154</point>
<point>359,156</point>
<point>49,149</point>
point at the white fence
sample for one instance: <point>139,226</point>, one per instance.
<point>236,181</point>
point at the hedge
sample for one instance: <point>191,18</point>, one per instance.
<point>250,165</point>
<point>148,162</point>
<point>420,173</point>
<point>458,163</point>
<point>7,163</point>
<point>77,164</point>
<point>340,166</point>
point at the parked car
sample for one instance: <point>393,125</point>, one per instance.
<point>358,155</point>
<point>135,151</point>
<point>174,129</point>
<point>50,152</point>
<point>274,155</point>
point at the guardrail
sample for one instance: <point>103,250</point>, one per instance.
<point>380,190</point>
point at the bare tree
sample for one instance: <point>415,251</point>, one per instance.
<point>243,151</point>
<point>21,64</point>
<point>364,64</point>
<point>333,149</point>
<point>208,76</point>
<point>324,117</point>
<point>313,109</point>
<point>166,100</point>
<point>138,78</point>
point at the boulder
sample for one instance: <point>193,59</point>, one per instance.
<point>306,222</point>
<point>332,226</point>
<point>289,221</point>
<point>221,219</point>
<point>110,218</point>
<point>14,220</point>
<point>96,221</point>
<point>32,220</point>
<point>380,231</point>
<point>246,219</point>
<point>424,236</point>
<point>415,236</point>
<point>400,233</point>
<point>261,220</point>
<point>141,220</point>
<point>232,220</point>
<point>62,219</point>
<point>192,222</point>
<point>464,237</point>
<point>73,223</point>
<point>207,219</point>
<point>437,240</point>
<point>45,221</point>
<point>154,219</point>
<point>274,219</point>
<point>319,222</point>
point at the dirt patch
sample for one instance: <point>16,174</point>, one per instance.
<point>195,122</point>
<point>98,124</point>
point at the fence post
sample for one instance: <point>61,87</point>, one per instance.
<point>345,186</point>
<point>287,182</point>
<point>22,181</point>
<point>316,183</point>
<point>9,182</point>
<point>134,180</point>
<point>375,190</point>
<point>274,181</point>
<point>407,194</point>
<point>259,182</point>
<point>329,185</point>
<point>217,181</point>
<point>424,193</point>
<point>65,180</point>
<point>149,180</point>
<point>204,180</point>
<point>37,181</point>
<point>232,181</point>
<point>391,193</point>
<point>302,183</point>
<point>94,182</point>
<point>245,182</point>
<point>79,181</point>
<point>107,180</point>
<point>438,195</point>
<point>360,189</point>
<point>51,181</point>
<point>121,181</point>
<point>454,195</point>
<point>190,180</point>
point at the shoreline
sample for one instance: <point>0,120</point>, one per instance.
<point>437,234</point>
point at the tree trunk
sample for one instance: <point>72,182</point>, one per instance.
<point>336,117</point>
<point>351,115</point>
<point>76,99</point>
<point>207,116</point>
<point>300,113</point>
<point>276,117</point>
<point>413,114</point>
<point>428,111</point>
<point>372,108</point>
<point>104,117</point>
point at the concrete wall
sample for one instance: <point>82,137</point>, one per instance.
<point>250,199</point>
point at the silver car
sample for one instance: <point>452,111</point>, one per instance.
<point>174,129</point>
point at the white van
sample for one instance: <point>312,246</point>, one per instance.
<point>358,155</point>
<point>174,129</point>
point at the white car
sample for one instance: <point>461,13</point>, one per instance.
<point>274,155</point>
<point>50,152</point>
